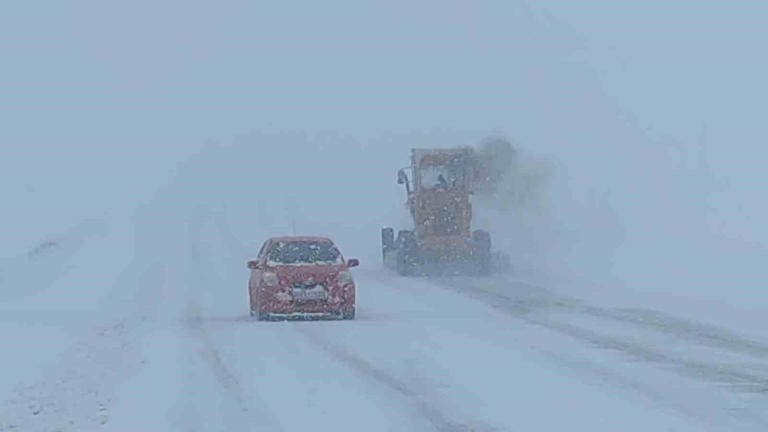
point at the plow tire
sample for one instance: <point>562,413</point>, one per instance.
<point>387,241</point>
<point>407,249</point>
<point>482,244</point>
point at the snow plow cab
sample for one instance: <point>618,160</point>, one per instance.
<point>438,185</point>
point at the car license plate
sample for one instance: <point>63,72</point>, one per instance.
<point>316,292</point>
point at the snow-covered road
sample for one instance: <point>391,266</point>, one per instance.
<point>177,351</point>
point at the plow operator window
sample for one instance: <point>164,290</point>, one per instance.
<point>445,177</point>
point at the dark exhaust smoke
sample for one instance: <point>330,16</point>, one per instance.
<point>506,177</point>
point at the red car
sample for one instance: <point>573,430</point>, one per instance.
<point>301,278</point>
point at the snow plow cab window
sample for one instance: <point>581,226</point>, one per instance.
<point>304,252</point>
<point>442,177</point>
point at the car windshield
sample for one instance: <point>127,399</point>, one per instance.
<point>304,252</point>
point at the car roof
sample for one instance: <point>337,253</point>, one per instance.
<point>301,238</point>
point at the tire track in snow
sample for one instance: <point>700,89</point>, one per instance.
<point>689,330</point>
<point>532,298</point>
<point>224,376</point>
<point>250,417</point>
<point>539,300</point>
<point>434,415</point>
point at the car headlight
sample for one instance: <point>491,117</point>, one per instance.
<point>345,278</point>
<point>269,279</point>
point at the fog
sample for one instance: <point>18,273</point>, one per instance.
<point>646,119</point>
<point>638,177</point>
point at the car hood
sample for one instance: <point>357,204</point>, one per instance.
<point>291,274</point>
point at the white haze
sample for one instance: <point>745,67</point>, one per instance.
<point>148,148</point>
<point>642,123</point>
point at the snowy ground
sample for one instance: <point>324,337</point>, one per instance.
<point>168,346</point>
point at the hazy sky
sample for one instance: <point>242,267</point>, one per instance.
<point>149,71</point>
<point>653,111</point>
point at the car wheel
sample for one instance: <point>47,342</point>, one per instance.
<point>251,303</point>
<point>256,307</point>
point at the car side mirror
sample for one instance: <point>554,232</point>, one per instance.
<point>253,265</point>
<point>353,262</point>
